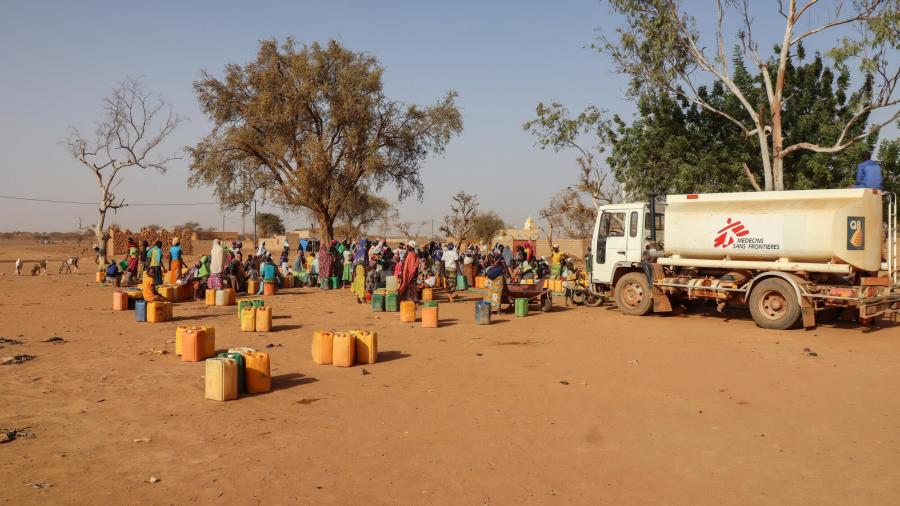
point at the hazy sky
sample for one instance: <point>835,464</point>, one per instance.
<point>59,60</point>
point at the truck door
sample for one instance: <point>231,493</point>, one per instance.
<point>611,245</point>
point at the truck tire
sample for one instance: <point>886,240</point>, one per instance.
<point>633,294</point>
<point>774,304</point>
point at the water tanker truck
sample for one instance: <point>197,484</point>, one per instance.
<point>787,255</point>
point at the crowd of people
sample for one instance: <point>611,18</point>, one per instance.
<point>364,266</point>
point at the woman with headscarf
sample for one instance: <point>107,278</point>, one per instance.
<point>324,261</point>
<point>409,288</point>
<point>176,261</point>
<point>216,265</point>
<point>337,261</point>
<point>358,285</point>
<point>496,270</point>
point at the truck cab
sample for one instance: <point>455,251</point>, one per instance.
<point>622,234</point>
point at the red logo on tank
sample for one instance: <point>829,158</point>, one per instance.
<point>725,237</point>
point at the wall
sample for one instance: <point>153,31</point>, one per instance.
<point>118,239</point>
<point>573,247</point>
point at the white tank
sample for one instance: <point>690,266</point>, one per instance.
<point>808,226</point>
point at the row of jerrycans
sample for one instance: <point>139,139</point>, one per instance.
<point>429,313</point>
<point>343,349</point>
<point>123,300</point>
<point>224,297</point>
<point>256,319</point>
<point>237,371</point>
<point>194,344</point>
<point>152,312</point>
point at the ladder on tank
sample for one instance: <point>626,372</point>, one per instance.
<point>892,269</point>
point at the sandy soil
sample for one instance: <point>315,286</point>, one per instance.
<point>576,406</point>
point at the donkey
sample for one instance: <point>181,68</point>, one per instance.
<point>69,265</point>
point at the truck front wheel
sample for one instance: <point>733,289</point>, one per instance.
<point>633,294</point>
<point>774,304</point>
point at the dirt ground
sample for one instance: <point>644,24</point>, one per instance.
<point>575,406</point>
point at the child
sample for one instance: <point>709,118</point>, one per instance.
<point>569,275</point>
<point>18,267</point>
<point>269,274</point>
<point>112,273</point>
<point>148,284</point>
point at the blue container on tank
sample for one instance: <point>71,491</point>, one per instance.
<point>483,313</point>
<point>140,310</point>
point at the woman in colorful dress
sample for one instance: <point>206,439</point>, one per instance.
<point>324,263</point>
<point>409,271</point>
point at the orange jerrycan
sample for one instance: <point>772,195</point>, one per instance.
<point>210,297</point>
<point>179,338</point>
<point>264,319</point>
<point>209,344</point>
<point>120,301</point>
<point>407,311</point>
<point>167,291</point>
<point>344,349</point>
<point>268,288</point>
<point>248,319</point>
<point>168,308</point>
<point>193,346</point>
<point>156,312</point>
<point>221,379</point>
<point>101,276</point>
<point>366,347</point>
<point>322,347</point>
<point>258,374</point>
<point>430,317</point>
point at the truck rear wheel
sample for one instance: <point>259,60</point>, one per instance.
<point>633,294</point>
<point>774,304</point>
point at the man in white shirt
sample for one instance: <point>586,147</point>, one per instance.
<point>451,260</point>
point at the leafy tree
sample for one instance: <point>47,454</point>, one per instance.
<point>487,226</point>
<point>555,127</point>
<point>134,124</point>
<point>459,223</point>
<point>659,47</point>
<point>311,128</point>
<point>360,213</point>
<point>889,157</point>
<point>268,224</point>
<point>675,146</point>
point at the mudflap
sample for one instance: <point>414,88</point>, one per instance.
<point>807,313</point>
<point>661,303</point>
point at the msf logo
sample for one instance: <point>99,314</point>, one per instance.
<point>726,235</point>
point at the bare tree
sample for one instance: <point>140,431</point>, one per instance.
<point>660,48</point>
<point>464,211</point>
<point>410,229</point>
<point>569,214</point>
<point>133,126</point>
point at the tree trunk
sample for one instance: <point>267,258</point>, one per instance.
<point>326,226</point>
<point>102,239</point>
